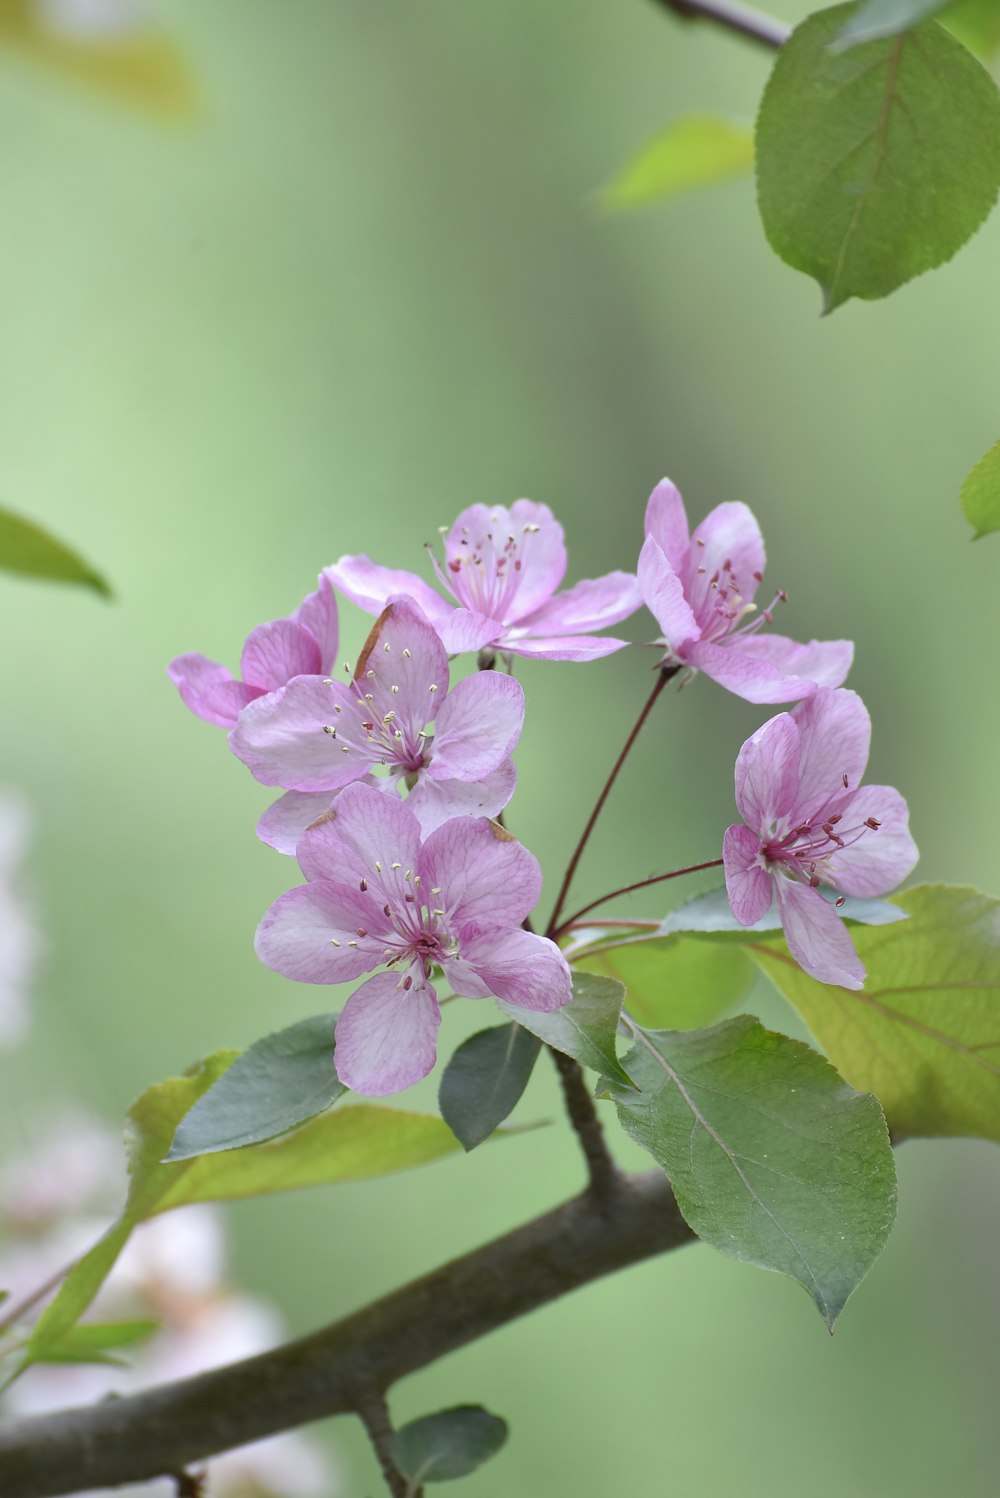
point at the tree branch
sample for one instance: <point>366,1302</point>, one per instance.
<point>601,1169</point>
<point>751,23</point>
<point>164,1429</point>
<point>373,1413</point>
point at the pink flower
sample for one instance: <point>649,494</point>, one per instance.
<point>701,588</point>
<point>380,895</point>
<point>502,567</point>
<point>808,822</point>
<point>303,645</point>
<point>315,736</point>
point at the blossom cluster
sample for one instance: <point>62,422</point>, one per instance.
<point>395,780</point>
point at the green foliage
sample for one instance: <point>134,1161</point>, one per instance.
<point>349,1144</point>
<point>711,915</point>
<point>484,1081</point>
<point>924,1032</point>
<point>586,1028</point>
<point>27,549</point>
<point>976,23</point>
<point>677,983</point>
<point>98,1342</point>
<point>276,1084</point>
<point>981,494</point>
<point>691,152</point>
<point>878,163</point>
<point>773,1158</point>
<point>450,1444</point>
<point>874,19</point>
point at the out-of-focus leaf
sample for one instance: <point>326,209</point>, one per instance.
<point>110,47</point>
<point>976,23</point>
<point>773,1158</point>
<point>924,1032</point>
<point>484,1081</point>
<point>453,1443</point>
<point>691,152</point>
<point>711,914</point>
<point>675,982</point>
<point>874,19</point>
<point>981,490</point>
<point>348,1144</point>
<point>27,549</point>
<point>276,1084</point>
<point>586,1028</point>
<point>875,164</point>
<point>98,1342</point>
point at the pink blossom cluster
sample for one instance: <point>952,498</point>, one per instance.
<point>394,779</point>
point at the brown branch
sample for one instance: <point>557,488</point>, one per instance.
<point>750,23</point>
<point>603,1174</point>
<point>163,1430</point>
<point>373,1413</point>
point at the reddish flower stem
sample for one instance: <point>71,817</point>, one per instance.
<point>627,889</point>
<point>663,676</point>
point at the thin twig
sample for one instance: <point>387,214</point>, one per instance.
<point>602,1171</point>
<point>373,1413</point>
<point>750,23</point>
<point>628,889</point>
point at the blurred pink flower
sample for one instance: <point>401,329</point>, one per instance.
<point>503,567</point>
<point>305,644</point>
<point>378,895</point>
<point>809,822</point>
<point>701,588</point>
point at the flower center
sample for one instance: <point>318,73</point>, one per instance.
<point>483,572</point>
<point>805,851</point>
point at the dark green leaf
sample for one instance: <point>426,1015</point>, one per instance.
<point>874,19</point>
<point>924,1032</point>
<point>275,1085</point>
<point>774,1159</point>
<point>586,1028</point>
<point>26,548</point>
<point>348,1144</point>
<point>981,494</point>
<point>447,1445</point>
<point>878,163</point>
<point>691,152</point>
<point>710,914</point>
<point>484,1080</point>
<point>677,983</point>
<point>97,1342</point>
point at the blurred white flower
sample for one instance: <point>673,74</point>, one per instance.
<point>19,941</point>
<point>97,19</point>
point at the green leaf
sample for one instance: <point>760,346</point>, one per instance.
<point>691,152</point>
<point>879,18</point>
<point>773,1158</point>
<point>876,164</point>
<point>26,548</point>
<point>350,1144</point>
<point>711,914</point>
<point>976,23</point>
<point>484,1080</point>
<point>981,494</point>
<point>451,1444</point>
<point>677,983</point>
<point>276,1084</point>
<point>98,1342</point>
<point>924,1032</point>
<point>586,1028</point>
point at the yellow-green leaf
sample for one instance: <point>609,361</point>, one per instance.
<point>981,494</point>
<point>31,551</point>
<point>689,153</point>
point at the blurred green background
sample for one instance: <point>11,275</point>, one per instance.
<point>365,285</point>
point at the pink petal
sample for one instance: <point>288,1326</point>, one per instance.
<point>666,522</point>
<point>767,774</point>
<point>274,653</point>
<point>521,558</point>
<point>478,726</point>
<point>748,885</point>
<point>209,690</point>
<point>281,738</point>
<point>878,859</point>
<point>834,733</point>
<point>729,534</point>
<point>515,965</point>
<point>825,662</point>
<point>386,1036</point>
<point>368,585</point>
<point>364,834</point>
<point>464,629</point>
<point>318,613</point>
<point>817,937</point>
<point>750,678</point>
<point>435,801</point>
<point>284,822</point>
<point>592,604</point>
<point>663,595</point>
<point>483,874</point>
<point>306,932</point>
<point>561,647</point>
<point>403,667</point>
